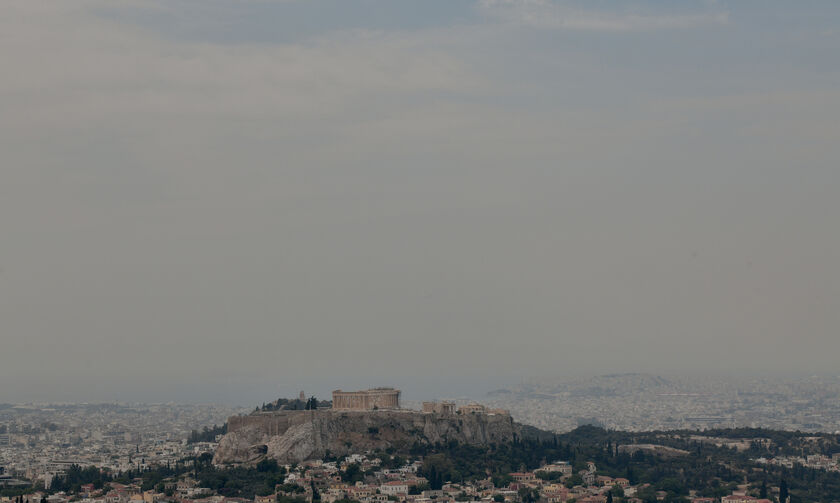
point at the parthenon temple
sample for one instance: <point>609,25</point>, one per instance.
<point>371,399</point>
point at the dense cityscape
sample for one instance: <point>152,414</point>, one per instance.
<point>168,453</point>
<point>39,442</point>
<point>644,402</point>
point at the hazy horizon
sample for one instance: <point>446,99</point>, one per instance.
<point>214,201</point>
<point>250,394</point>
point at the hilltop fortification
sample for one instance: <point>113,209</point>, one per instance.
<point>294,436</point>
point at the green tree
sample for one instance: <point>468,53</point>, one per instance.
<point>528,495</point>
<point>268,466</point>
<point>418,488</point>
<point>437,469</point>
<point>352,474</point>
<point>502,480</point>
<point>574,480</point>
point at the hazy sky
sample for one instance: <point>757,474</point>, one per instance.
<point>234,200</point>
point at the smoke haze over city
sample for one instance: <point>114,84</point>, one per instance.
<point>233,201</point>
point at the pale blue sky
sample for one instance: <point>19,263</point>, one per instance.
<point>227,200</point>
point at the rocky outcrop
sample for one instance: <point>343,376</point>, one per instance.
<point>294,436</point>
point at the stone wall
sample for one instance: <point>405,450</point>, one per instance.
<point>267,423</point>
<point>439,407</point>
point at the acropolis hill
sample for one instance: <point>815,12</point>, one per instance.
<point>373,420</point>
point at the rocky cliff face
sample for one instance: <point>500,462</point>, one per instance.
<point>294,436</point>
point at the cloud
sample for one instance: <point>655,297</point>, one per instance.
<point>69,66</point>
<point>552,14</point>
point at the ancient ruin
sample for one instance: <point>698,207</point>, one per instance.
<point>371,399</point>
